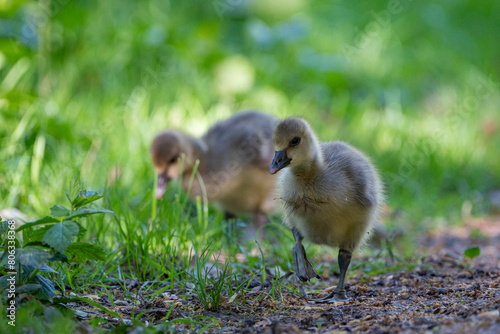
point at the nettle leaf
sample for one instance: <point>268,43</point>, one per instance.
<point>47,290</point>
<point>472,252</point>
<point>85,197</point>
<point>84,212</point>
<point>68,196</point>
<point>5,281</point>
<point>61,235</point>
<point>59,211</point>
<point>76,187</point>
<point>4,227</point>
<point>59,257</point>
<point>30,256</point>
<point>81,233</point>
<point>46,269</point>
<point>35,235</point>
<point>39,245</point>
<point>65,311</point>
<point>82,251</point>
<point>44,220</point>
<point>27,288</point>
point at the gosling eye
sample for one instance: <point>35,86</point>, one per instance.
<point>174,159</point>
<point>295,141</point>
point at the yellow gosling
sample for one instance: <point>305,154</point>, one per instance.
<point>331,195</point>
<point>234,156</point>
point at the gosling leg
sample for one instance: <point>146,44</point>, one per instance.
<point>303,269</point>
<point>338,294</point>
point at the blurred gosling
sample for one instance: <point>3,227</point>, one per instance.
<point>331,195</point>
<point>234,156</point>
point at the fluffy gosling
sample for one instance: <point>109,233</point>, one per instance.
<point>331,195</point>
<point>234,156</point>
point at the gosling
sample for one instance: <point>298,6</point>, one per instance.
<point>234,156</point>
<point>331,195</point>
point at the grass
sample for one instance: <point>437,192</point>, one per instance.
<point>85,93</point>
<point>210,281</point>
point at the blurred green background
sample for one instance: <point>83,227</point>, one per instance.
<point>85,85</point>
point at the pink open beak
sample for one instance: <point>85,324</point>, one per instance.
<point>161,185</point>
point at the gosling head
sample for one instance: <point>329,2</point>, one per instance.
<point>166,151</point>
<point>295,144</point>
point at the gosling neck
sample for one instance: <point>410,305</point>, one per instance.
<point>199,148</point>
<point>196,150</point>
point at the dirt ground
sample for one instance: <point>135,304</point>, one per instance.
<point>443,293</point>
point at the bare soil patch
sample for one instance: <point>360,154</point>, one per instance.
<point>443,293</point>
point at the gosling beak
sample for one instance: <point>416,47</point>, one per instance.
<point>161,185</point>
<point>280,161</point>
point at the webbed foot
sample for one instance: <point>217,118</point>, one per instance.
<point>333,297</point>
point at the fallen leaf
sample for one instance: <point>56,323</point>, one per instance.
<point>263,323</point>
<point>256,289</point>
<point>233,298</point>
<point>495,313</point>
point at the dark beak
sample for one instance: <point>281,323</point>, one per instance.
<point>161,185</point>
<point>280,161</point>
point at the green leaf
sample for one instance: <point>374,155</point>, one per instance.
<point>59,257</point>
<point>52,315</point>
<point>4,227</point>
<point>82,251</point>
<point>30,256</point>
<point>5,281</point>
<point>59,211</point>
<point>28,288</point>
<point>84,212</point>
<point>47,290</point>
<point>46,269</point>
<point>85,197</point>
<point>472,252</point>
<point>81,233</point>
<point>32,235</point>
<point>66,311</point>
<point>76,187</point>
<point>81,314</point>
<point>39,245</point>
<point>44,220</point>
<point>61,235</point>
